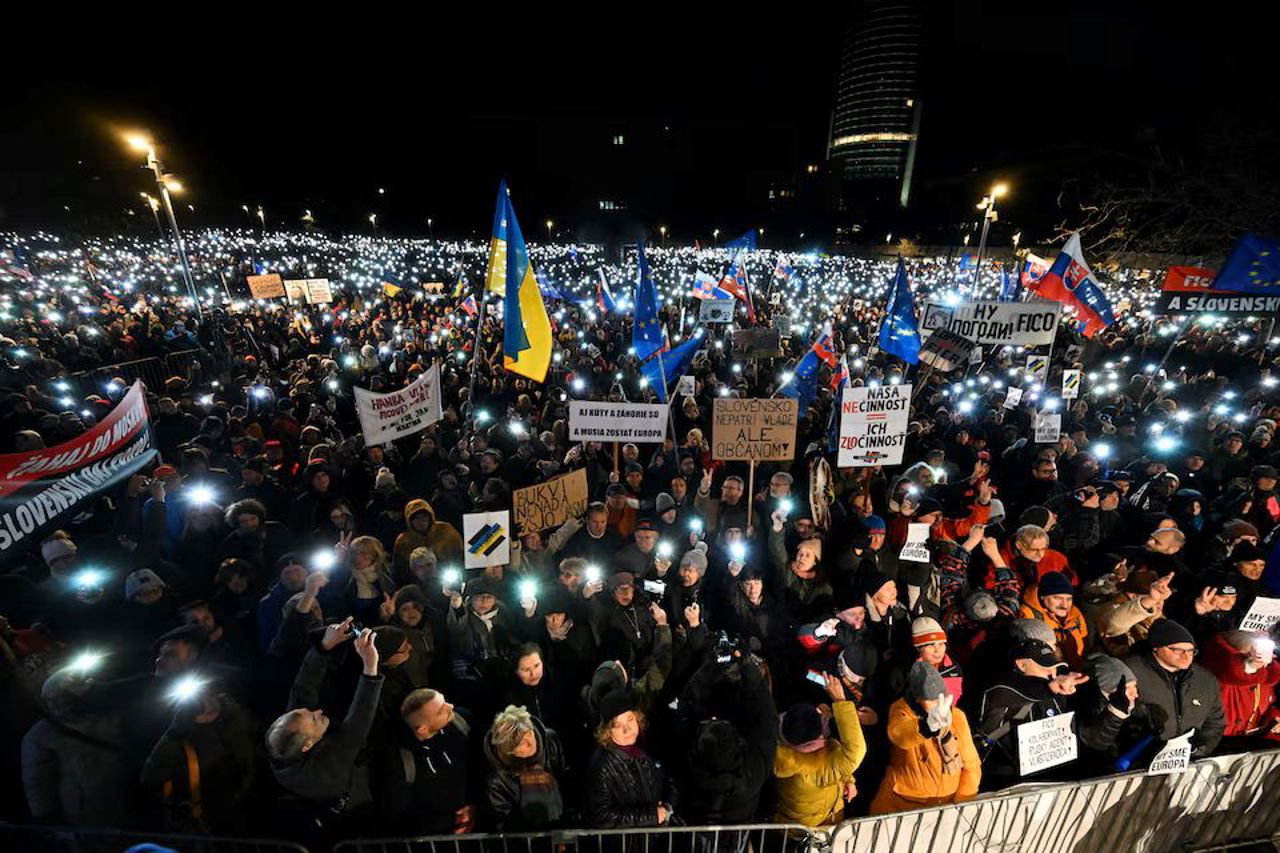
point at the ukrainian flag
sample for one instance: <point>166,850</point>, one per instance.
<point>526,334</point>
<point>495,272</point>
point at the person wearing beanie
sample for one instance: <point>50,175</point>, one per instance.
<point>1248,561</point>
<point>1034,685</point>
<point>420,624</point>
<point>930,643</point>
<point>1234,531</point>
<point>1123,620</point>
<point>814,771</point>
<point>1208,605</point>
<point>643,557</point>
<point>1176,695</point>
<point>1052,601</point>
<point>1244,664</point>
<point>930,511</point>
<point>626,787</point>
<point>291,574</point>
<point>807,594</point>
<point>481,634</point>
<point>753,613</point>
<point>932,759</point>
<point>1103,706</point>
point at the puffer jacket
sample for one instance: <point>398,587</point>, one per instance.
<point>810,785</point>
<point>1173,703</point>
<point>625,787</point>
<point>1071,633</point>
<point>915,779</point>
<point>1248,698</point>
<point>524,794</point>
<point>441,537</point>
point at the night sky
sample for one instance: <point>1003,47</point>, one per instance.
<point>281,114</point>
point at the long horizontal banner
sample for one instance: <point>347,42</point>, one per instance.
<point>644,422</point>
<point>1187,291</point>
<point>387,417</point>
<point>989,323</point>
<point>41,488</point>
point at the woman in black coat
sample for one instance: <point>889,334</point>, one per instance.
<point>626,787</point>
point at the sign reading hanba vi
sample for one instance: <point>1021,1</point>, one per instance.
<point>754,430</point>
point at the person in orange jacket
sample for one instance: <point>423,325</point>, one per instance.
<point>932,759</point>
<point>929,511</point>
<point>1052,601</point>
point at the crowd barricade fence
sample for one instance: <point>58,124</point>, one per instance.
<point>745,838</point>
<point>187,364</point>
<point>78,839</point>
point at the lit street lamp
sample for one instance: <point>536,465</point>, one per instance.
<point>550,224</point>
<point>262,217</point>
<point>373,220</point>
<point>154,204</point>
<point>989,215</point>
<point>715,236</point>
<point>662,229</point>
<point>166,183</point>
<point>431,232</point>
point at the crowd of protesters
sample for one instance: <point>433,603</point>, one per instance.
<point>269,631</point>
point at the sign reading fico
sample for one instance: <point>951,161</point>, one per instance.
<point>873,426</point>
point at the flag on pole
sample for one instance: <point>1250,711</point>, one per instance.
<point>735,282</point>
<point>745,242</point>
<point>647,334</point>
<point>1252,267</point>
<point>459,284</point>
<point>704,287</point>
<point>899,334</point>
<point>526,333</point>
<point>670,364</point>
<point>469,305</point>
<point>782,269</point>
<point>1008,287</point>
<point>495,271</point>
<point>803,385</point>
<point>604,296</point>
<point>1069,281</point>
<point>838,380</point>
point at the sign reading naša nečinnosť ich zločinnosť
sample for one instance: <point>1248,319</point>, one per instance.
<point>40,489</point>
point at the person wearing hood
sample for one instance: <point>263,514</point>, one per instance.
<point>626,786</point>
<point>813,770</point>
<point>421,625</point>
<point>1246,566</point>
<point>424,529</point>
<point>533,685</point>
<point>318,495</point>
<point>426,787</point>
<point>1244,664</point>
<point>269,613</point>
<point>1052,601</point>
<point>150,610</point>
<point>525,758</point>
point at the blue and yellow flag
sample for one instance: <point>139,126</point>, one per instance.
<point>495,271</point>
<point>526,333</point>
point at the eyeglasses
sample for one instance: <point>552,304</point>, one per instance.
<point>1186,653</point>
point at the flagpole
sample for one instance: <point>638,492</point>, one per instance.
<point>1191,318</point>
<point>475,361</point>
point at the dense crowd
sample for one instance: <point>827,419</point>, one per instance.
<point>270,631</point>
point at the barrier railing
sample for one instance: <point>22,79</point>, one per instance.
<point>746,838</point>
<point>49,839</point>
<point>152,371</point>
<point>1212,802</point>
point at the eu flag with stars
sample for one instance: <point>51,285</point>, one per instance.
<point>1252,267</point>
<point>899,334</point>
<point>646,332</point>
<point>803,385</point>
<point>669,365</point>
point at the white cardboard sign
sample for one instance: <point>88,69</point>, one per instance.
<point>916,548</point>
<point>486,539</point>
<point>1046,743</point>
<point>873,425</point>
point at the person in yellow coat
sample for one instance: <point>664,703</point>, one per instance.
<point>932,760</point>
<point>814,770</point>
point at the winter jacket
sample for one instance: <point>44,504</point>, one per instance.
<point>1173,703</point>
<point>810,785</point>
<point>523,794</point>
<point>441,537</point>
<point>624,788</point>
<point>424,782</point>
<point>1015,700</point>
<point>1248,698</point>
<point>1071,633</point>
<point>1123,622</point>
<point>74,773</point>
<point>914,779</point>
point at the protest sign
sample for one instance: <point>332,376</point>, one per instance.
<point>487,539</point>
<point>1038,367</point>
<point>716,310</point>
<point>686,387</point>
<point>1048,426</point>
<point>873,425</point>
<point>40,489</point>
<point>1070,384</point>
<point>1012,397</point>
<point>1025,324</point>
<point>295,289</point>
<point>946,351</point>
<point>757,343</point>
<point>642,422</point>
<point>1188,290</point>
<point>754,430</point>
<point>550,504</point>
<point>433,287</point>
<point>1046,743</point>
<point>1262,616</point>
<point>916,548</point>
<point>1174,757</point>
<point>975,357</point>
<point>318,291</point>
<point>267,286</point>
<point>386,417</point>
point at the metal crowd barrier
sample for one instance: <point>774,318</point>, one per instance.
<point>745,838</point>
<point>1213,802</point>
<point>55,839</point>
<point>152,371</point>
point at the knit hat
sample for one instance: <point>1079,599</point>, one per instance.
<point>858,658</point>
<point>927,506</point>
<point>620,579</point>
<point>1246,551</point>
<point>1261,471</point>
<point>160,472</point>
<point>1108,672</point>
<point>801,725</point>
<point>192,634</point>
<point>663,503</point>
<point>387,640</point>
<point>645,524</point>
<point>411,594</point>
<point>615,703</point>
<point>1035,629</point>
<point>696,557</point>
<point>873,580</point>
<point>925,630</point>
<point>633,468</point>
<point>553,599</point>
<point>384,479</point>
<point>143,580</point>
<point>981,606</point>
<point>56,548</point>
<point>1054,583</point>
<point>717,747</point>
<point>1238,528</point>
<point>482,585</point>
<point>873,524</point>
<point>1166,632</point>
<point>924,682</point>
<point>1222,582</point>
<point>1037,515</point>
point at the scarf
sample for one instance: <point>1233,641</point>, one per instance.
<point>562,632</point>
<point>365,580</point>
<point>486,619</point>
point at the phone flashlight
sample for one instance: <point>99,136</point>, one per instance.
<point>186,688</point>
<point>592,574</point>
<point>85,662</point>
<point>451,578</point>
<point>738,552</point>
<point>664,550</point>
<point>324,560</point>
<point>89,578</point>
<point>528,590</point>
<point>695,524</point>
<point>785,506</point>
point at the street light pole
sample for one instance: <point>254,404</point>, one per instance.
<point>157,169</point>
<point>989,215</point>
<point>154,204</point>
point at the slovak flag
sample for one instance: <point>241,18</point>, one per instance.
<point>1033,269</point>
<point>704,287</point>
<point>469,305</point>
<point>604,296</point>
<point>782,269</point>
<point>840,375</point>
<point>735,281</point>
<point>1070,282</point>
